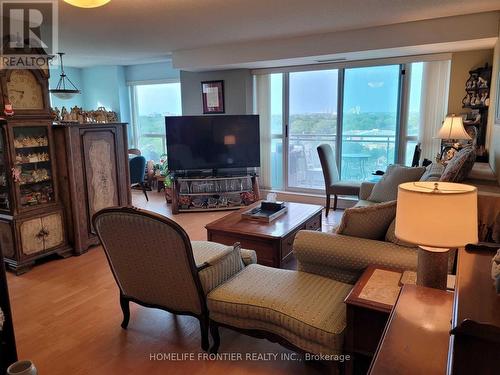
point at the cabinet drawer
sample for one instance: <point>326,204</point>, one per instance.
<point>314,223</point>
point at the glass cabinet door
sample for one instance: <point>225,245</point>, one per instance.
<point>4,187</point>
<point>33,167</point>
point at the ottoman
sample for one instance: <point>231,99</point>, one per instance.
<point>301,311</point>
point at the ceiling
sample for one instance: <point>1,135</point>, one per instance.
<point>125,32</point>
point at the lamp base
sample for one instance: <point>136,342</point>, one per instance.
<point>432,267</point>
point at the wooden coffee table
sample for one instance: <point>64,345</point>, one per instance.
<point>273,242</point>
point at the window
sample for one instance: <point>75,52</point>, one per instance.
<point>372,116</point>
<point>150,104</point>
<point>312,121</point>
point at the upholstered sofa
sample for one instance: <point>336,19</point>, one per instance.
<point>343,255</point>
<point>344,258</point>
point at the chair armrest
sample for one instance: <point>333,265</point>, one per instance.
<point>366,189</point>
<point>344,258</point>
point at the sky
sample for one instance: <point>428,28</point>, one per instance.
<point>162,98</point>
<point>370,89</point>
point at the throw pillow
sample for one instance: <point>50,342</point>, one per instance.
<point>387,188</point>
<point>369,222</point>
<point>467,166</point>
<point>433,172</point>
<point>453,171</point>
<point>390,236</point>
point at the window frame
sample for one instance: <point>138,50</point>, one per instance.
<point>401,135</point>
<point>134,139</point>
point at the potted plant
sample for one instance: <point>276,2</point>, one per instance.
<point>162,174</point>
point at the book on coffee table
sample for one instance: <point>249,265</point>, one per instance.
<point>265,212</point>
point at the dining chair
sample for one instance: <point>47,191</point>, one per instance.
<point>333,185</point>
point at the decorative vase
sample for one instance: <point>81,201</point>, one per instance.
<point>25,367</point>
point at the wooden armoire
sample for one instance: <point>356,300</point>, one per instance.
<point>92,162</point>
<point>32,222</point>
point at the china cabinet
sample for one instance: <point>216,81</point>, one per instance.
<point>32,223</point>
<point>92,162</point>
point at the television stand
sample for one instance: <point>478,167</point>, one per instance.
<point>214,193</point>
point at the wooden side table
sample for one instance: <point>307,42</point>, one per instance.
<point>368,306</point>
<point>417,336</point>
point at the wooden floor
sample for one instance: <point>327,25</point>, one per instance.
<point>67,320</point>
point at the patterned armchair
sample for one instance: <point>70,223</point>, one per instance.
<point>156,265</point>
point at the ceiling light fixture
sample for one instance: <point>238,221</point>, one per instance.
<point>87,3</point>
<point>65,89</point>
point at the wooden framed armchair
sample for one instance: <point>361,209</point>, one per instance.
<point>156,265</point>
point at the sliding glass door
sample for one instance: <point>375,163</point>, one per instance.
<point>312,121</point>
<point>370,118</point>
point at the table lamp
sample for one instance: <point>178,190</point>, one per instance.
<point>436,216</point>
<point>452,128</point>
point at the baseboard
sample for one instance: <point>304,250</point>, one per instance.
<point>288,196</point>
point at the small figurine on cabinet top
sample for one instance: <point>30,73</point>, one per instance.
<point>78,115</point>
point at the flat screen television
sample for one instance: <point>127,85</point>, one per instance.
<point>212,142</point>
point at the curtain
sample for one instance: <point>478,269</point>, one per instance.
<point>263,109</point>
<point>433,105</point>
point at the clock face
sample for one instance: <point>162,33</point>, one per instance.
<point>24,90</point>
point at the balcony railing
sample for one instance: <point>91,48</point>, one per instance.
<point>361,155</point>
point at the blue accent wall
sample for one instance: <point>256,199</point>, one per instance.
<point>75,74</point>
<point>107,86</point>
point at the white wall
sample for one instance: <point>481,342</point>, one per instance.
<point>151,72</point>
<point>238,91</point>
<point>473,27</point>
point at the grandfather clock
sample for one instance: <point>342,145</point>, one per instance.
<point>32,222</point>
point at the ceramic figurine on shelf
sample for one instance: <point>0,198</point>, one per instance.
<point>482,83</point>
<point>56,114</point>
<point>466,100</point>
<point>64,114</point>
<point>484,99</point>
<point>16,174</point>
<point>468,84</point>
<point>112,116</point>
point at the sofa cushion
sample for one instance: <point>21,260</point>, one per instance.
<point>369,222</point>
<point>306,310</point>
<point>433,172</point>
<point>387,188</point>
<point>459,167</point>
<point>390,236</point>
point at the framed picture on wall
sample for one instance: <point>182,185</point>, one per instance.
<point>212,94</point>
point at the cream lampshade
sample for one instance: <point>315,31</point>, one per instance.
<point>436,216</point>
<point>453,128</point>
